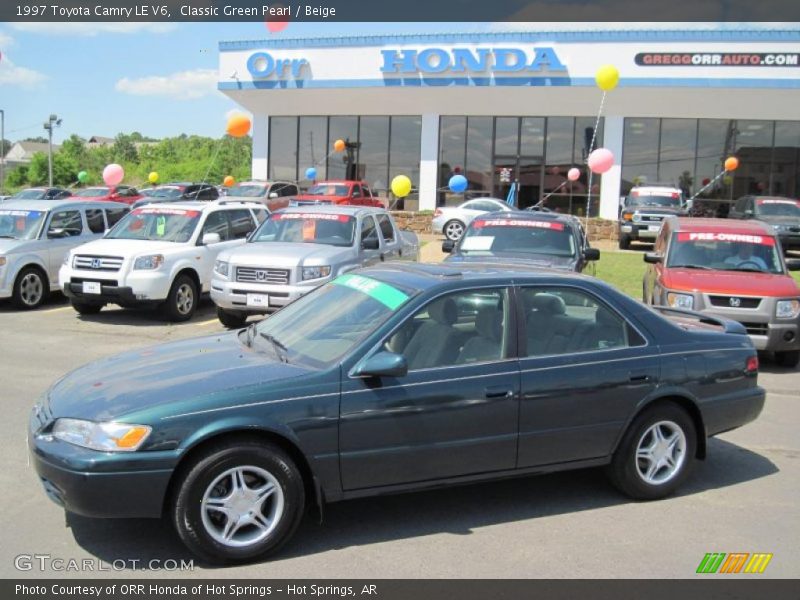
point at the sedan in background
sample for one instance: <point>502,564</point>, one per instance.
<point>42,193</point>
<point>115,193</point>
<point>273,194</point>
<point>394,378</point>
<point>178,192</point>
<point>452,221</point>
<point>539,239</point>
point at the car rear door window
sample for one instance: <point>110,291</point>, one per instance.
<point>387,230</point>
<point>368,229</point>
<point>568,321</point>
<point>94,218</point>
<point>242,223</point>
<point>217,222</point>
<point>115,214</point>
<point>65,223</point>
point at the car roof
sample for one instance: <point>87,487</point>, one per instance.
<point>333,210</point>
<point>772,198</point>
<point>48,205</point>
<point>485,198</point>
<point>342,181</point>
<point>201,205</point>
<point>699,225</point>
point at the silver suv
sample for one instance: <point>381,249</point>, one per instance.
<point>36,236</point>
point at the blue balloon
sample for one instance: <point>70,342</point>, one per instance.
<point>457,183</point>
<point>311,173</point>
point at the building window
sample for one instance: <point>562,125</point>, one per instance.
<point>283,148</point>
<point>785,175</point>
<point>640,152</point>
<point>452,151</point>
<point>676,153</point>
<point>404,148</point>
<point>342,128</point>
<point>479,154</point>
<point>313,146</point>
<point>753,147</point>
<point>373,152</point>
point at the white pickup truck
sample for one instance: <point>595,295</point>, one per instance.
<point>158,255</point>
<point>298,249</point>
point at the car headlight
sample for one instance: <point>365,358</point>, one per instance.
<point>105,437</point>
<point>149,262</point>
<point>627,216</point>
<point>780,227</point>
<point>787,309</point>
<point>680,300</point>
<point>637,217</point>
<point>316,272</point>
<point>221,267</point>
<point>2,261</point>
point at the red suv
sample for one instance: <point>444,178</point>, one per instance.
<point>733,269</point>
<point>356,193</point>
<point>115,193</point>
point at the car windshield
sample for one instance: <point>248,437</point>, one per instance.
<point>20,224</point>
<point>248,190</point>
<point>724,252</point>
<point>353,306</point>
<point>310,228</point>
<point>487,237</point>
<point>31,194</point>
<point>95,192</point>
<point>158,224</point>
<point>151,192</point>
<point>779,208</point>
<point>668,200</point>
<point>327,189</point>
<point>165,192</point>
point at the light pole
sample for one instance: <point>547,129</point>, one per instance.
<point>53,120</point>
<point>2,150</point>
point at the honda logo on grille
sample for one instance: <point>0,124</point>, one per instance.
<point>95,263</point>
<point>261,275</point>
<point>735,302</point>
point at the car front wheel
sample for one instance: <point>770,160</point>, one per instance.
<point>238,501</point>
<point>85,308</point>
<point>656,453</point>
<point>789,359</point>
<point>624,242</point>
<point>182,299</point>
<point>231,320</point>
<point>453,230</point>
<point>30,288</point>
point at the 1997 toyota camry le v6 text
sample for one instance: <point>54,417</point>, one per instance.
<point>393,378</point>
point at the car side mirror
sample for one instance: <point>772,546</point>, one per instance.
<point>210,238</point>
<point>57,233</point>
<point>448,246</point>
<point>273,195</point>
<point>652,258</point>
<point>591,254</point>
<point>370,244</point>
<point>793,264</point>
<point>748,214</point>
<point>382,364</point>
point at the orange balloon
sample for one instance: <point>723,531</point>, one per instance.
<point>238,126</point>
<point>731,163</point>
<point>228,181</point>
<point>338,145</point>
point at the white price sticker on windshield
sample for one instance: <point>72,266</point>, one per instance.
<point>477,242</point>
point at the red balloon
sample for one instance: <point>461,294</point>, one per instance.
<point>278,22</point>
<point>706,181</point>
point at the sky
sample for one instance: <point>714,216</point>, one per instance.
<point>155,78</point>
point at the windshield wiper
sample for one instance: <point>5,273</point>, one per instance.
<point>10,237</point>
<point>746,270</point>
<point>280,349</point>
<point>704,268</point>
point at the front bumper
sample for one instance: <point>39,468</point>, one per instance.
<point>123,296</point>
<point>135,288</point>
<point>789,240</point>
<point>640,231</point>
<point>232,295</point>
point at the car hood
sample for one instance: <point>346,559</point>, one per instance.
<point>730,282</point>
<point>277,254</point>
<point>8,245</point>
<point>655,210</point>
<point>778,220</point>
<point>126,247</point>
<point>186,371</point>
<point>565,263</point>
<point>320,198</point>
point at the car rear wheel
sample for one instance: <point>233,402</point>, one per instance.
<point>656,453</point>
<point>30,288</point>
<point>789,358</point>
<point>453,230</point>
<point>624,242</point>
<point>238,501</point>
<point>84,308</point>
<point>182,299</point>
<point>231,320</point>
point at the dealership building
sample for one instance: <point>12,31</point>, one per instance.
<point>510,107</point>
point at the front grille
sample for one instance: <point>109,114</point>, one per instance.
<point>253,275</point>
<point>97,263</point>
<point>756,328</point>
<point>651,218</point>
<point>731,302</point>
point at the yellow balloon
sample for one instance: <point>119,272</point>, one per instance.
<point>607,77</point>
<point>153,177</point>
<point>401,186</point>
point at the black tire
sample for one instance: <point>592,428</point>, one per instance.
<point>451,228</point>
<point>85,308</point>
<point>624,470</point>
<point>31,288</point>
<point>175,308</point>
<point>187,512</point>
<point>788,358</point>
<point>624,242</point>
<point>231,320</point>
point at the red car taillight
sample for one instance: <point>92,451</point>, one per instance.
<point>751,366</point>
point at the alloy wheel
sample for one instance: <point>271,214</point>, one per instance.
<point>661,452</point>
<point>31,289</point>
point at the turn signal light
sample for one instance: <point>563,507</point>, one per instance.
<point>752,364</point>
<point>627,217</point>
<point>132,437</point>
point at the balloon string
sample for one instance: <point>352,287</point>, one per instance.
<point>213,158</point>
<point>708,185</point>
<point>562,184</point>
<point>596,124</point>
<point>591,147</point>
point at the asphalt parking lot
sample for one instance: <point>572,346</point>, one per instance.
<point>743,498</point>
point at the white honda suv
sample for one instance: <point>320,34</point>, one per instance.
<point>159,255</point>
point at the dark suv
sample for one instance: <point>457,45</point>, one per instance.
<point>643,210</point>
<point>177,192</point>
<point>783,214</point>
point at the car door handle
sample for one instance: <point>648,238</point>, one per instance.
<point>498,391</point>
<point>639,377</point>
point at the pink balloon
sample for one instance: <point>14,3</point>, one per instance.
<point>113,174</point>
<point>601,160</point>
<point>574,174</point>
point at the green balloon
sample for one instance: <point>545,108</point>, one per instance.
<point>83,177</point>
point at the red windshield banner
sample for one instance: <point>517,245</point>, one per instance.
<point>708,236</point>
<point>316,216</point>
<point>519,223</point>
<point>166,211</point>
<point>779,201</point>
